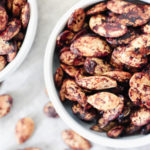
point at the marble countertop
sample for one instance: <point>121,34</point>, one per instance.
<point>27,88</point>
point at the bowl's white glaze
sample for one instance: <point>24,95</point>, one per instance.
<point>27,43</point>
<point>51,62</point>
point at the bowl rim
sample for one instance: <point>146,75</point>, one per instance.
<point>26,45</point>
<point>49,82</point>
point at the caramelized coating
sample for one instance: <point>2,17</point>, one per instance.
<point>140,117</point>
<point>11,55</point>
<point>68,58</point>
<point>75,141</point>
<point>6,47</point>
<point>62,91</point>
<point>115,132</point>
<point>64,38</point>
<point>96,82</point>
<point>24,129</point>
<point>120,6</point>
<point>89,45</point>
<point>104,101</point>
<point>140,80</point>
<point>74,92</point>
<point>59,74</point>
<point>131,129</point>
<point>96,66</point>
<point>100,7</point>
<point>78,110</point>
<point>50,111</point>
<point>16,7</point>
<point>146,28</point>
<point>76,20</point>
<point>125,39</point>
<point>120,76</point>
<point>11,31</point>
<point>2,62</point>
<point>4,18</point>
<point>106,29</point>
<point>5,105</point>
<point>70,70</point>
<point>25,15</point>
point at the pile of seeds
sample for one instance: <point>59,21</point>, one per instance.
<point>14,20</point>
<point>104,72</point>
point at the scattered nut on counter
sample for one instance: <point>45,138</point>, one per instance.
<point>5,104</point>
<point>104,73</point>
<point>50,111</point>
<point>75,141</point>
<point>24,129</point>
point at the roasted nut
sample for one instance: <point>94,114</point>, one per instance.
<point>104,101</point>
<point>24,129</point>
<point>146,129</point>
<point>140,80</point>
<point>115,132</point>
<point>140,117</point>
<point>131,129</point>
<point>76,20</point>
<point>50,111</point>
<point>135,54</point>
<point>16,7</point>
<point>78,110</point>
<point>2,62</point>
<point>108,126</point>
<point>62,91</point>
<point>19,37</point>
<point>68,58</point>
<point>125,39</point>
<point>11,55</point>
<point>106,29</point>
<point>146,28</point>
<point>100,7</point>
<point>135,96</point>
<point>25,15</point>
<point>120,6</point>
<point>9,4</point>
<point>11,31</point>
<point>89,45</point>
<point>96,128</point>
<point>81,32</point>
<point>64,38</point>
<point>75,141</point>
<point>5,105</point>
<point>96,66</point>
<point>96,82</point>
<point>120,76</point>
<point>4,18</point>
<point>140,97</point>
<point>59,74</point>
<point>115,62</point>
<point>70,70</point>
<point>133,57</point>
<point>74,92</point>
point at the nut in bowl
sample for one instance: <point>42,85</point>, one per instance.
<point>100,53</point>
<point>19,20</point>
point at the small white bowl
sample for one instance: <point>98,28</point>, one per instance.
<point>27,43</point>
<point>51,62</point>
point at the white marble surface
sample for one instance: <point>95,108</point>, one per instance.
<point>26,86</point>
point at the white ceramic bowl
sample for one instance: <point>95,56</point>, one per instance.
<point>51,62</point>
<point>27,43</point>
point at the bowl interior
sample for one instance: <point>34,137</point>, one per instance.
<point>51,63</point>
